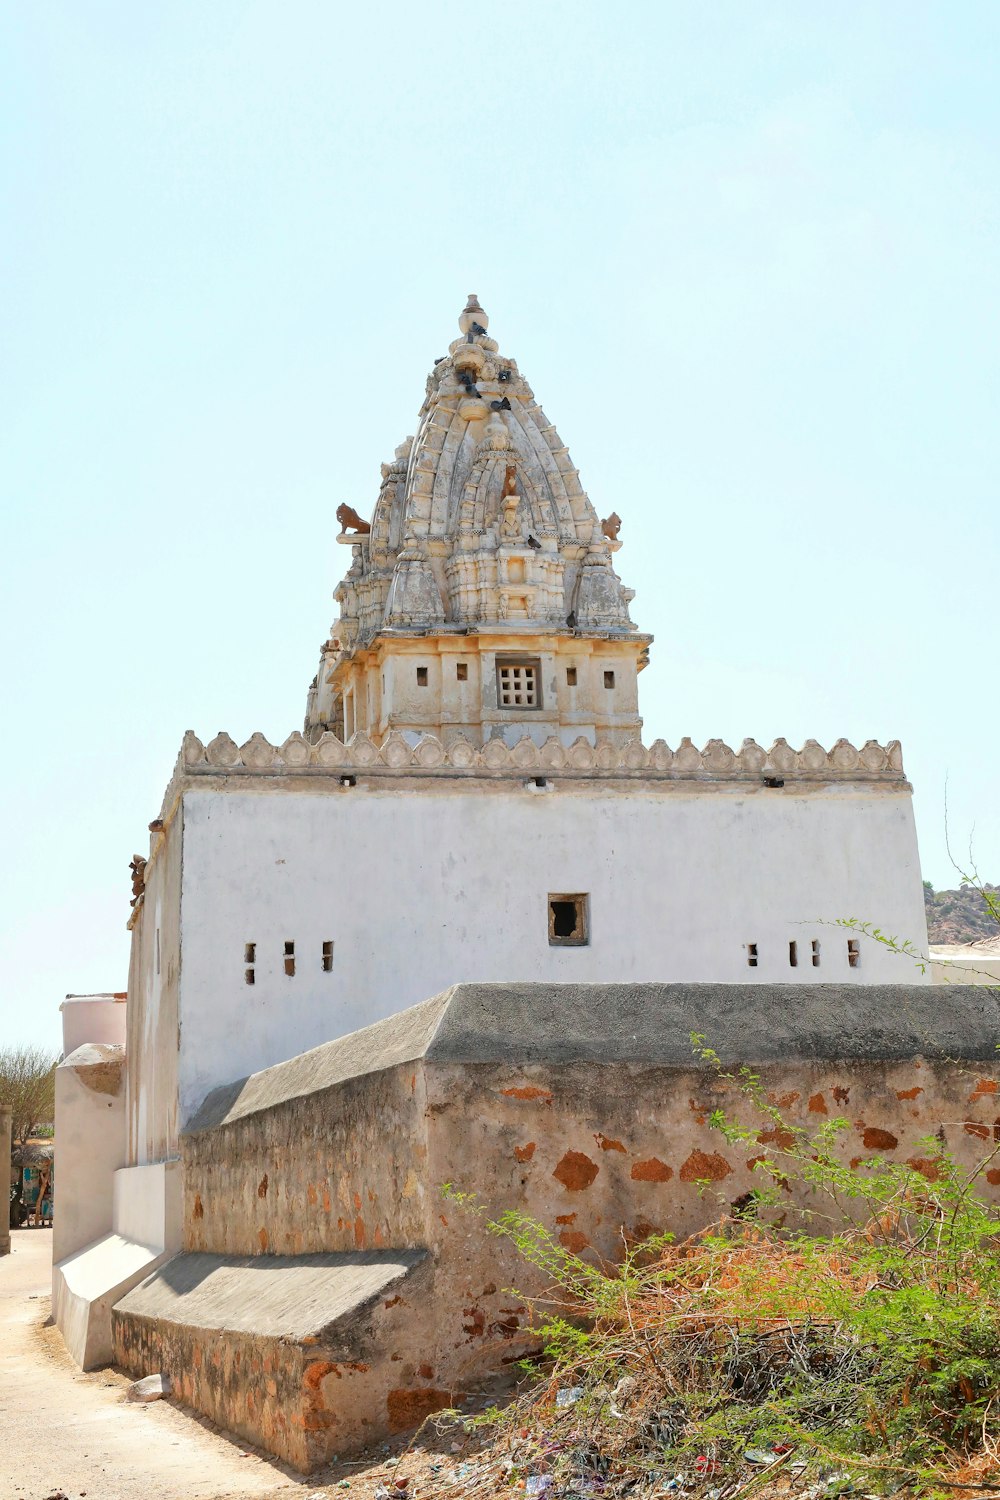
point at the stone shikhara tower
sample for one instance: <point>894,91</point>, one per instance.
<point>484,601</point>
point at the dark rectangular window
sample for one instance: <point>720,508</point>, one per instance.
<point>854,953</point>
<point>571,677</point>
<point>249,958</point>
<point>751,955</point>
<point>569,925</point>
<point>327,957</point>
<point>609,679</point>
<point>421,677</point>
<point>815,953</point>
<point>793,954</point>
<point>462,671</point>
<point>289,959</point>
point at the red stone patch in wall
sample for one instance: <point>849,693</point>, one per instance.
<point>817,1105</point>
<point>525,1153</point>
<point>528,1091</point>
<point>909,1093</point>
<point>783,1139</point>
<point>262,1187</point>
<point>784,1101</point>
<point>262,1238</point>
<point>314,1373</point>
<point>198,1210</point>
<point>607,1144</point>
<point>841,1094</point>
<point>700,1166</point>
<point>409,1408</point>
<point>574,1240</point>
<point>926,1166</point>
<point>876,1139</point>
<point>576,1171</point>
<point>359,1233</point>
<point>983,1087</point>
<point>565,1218</point>
<point>651,1170</point>
<point>993,1176</point>
<point>973,1127</point>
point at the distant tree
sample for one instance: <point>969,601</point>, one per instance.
<point>27,1088</point>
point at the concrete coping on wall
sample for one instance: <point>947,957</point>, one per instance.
<point>641,1025</point>
<point>274,1296</point>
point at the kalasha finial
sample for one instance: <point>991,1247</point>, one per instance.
<point>473,318</point>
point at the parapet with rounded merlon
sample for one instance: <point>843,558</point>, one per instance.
<point>427,754</point>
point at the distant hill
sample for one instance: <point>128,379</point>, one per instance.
<point>960,916</point>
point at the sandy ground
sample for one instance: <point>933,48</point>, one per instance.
<point>63,1433</point>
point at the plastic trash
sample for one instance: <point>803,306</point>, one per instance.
<point>569,1395</point>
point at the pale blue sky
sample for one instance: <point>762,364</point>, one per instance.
<point>747,255</point>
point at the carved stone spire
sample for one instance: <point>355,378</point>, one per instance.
<point>481,524</point>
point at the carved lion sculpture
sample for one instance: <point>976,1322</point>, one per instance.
<point>138,869</point>
<point>612,526</point>
<point>347,516</point>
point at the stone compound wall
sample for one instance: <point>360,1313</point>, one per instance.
<point>582,1107</point>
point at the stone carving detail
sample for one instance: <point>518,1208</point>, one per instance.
<point>601,602</point>
<point>716,762</point>
<point>347,516</point>
<point>257,752</point>
<point>222,751</point>
<point>414,597</point>
<point>137,869</point>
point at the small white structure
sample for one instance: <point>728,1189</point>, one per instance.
<point>471,799</point>
<point>966,963</point>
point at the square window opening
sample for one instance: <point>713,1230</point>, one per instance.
<point>609,679</point>
<point>854,953</point>
<point>751,955</point>
<point>518,684</point>
<point>571,677</point>
<point>569,921</point>
<point>421,677</point>
<point>462,671</point>
<point>793,954</point>
<point>327,957</point>
<point>815,953</point>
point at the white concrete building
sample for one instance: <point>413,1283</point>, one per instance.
<point>471,799</point>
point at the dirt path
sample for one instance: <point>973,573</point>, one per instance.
<point>64,1431</point>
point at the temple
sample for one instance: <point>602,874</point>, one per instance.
<point>460,928</point>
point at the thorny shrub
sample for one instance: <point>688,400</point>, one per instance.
<point>854,1337</point>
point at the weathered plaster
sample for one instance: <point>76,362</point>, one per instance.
<point>582,1106</point>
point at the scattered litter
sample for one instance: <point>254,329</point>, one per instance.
<point>538,1484</point>
<point>151,1388</point>
<point>759,1456</point>
<point>569,1395</point>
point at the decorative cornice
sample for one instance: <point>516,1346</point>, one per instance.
<point>717,762</point>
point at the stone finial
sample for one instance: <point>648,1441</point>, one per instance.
<point>472,313</point>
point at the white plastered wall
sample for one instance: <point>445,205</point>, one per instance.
<point>422,888</point>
